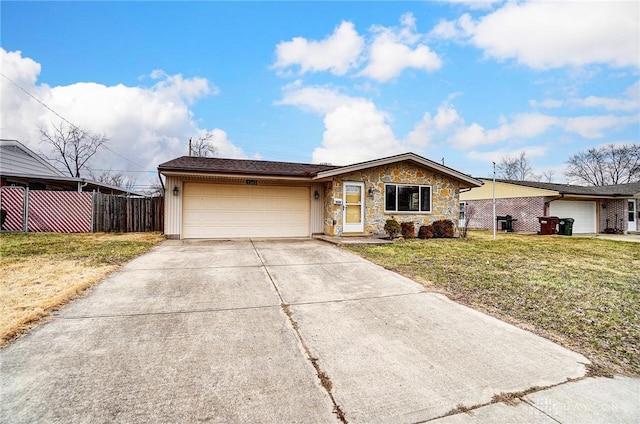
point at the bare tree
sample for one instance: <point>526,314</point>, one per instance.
<point>548,176</point>
<point>73,147</point>
<point>607,165</point>
<point>203,146</point>
<point>115,179</point>
<point>469,213</point>
<point>514,168</point>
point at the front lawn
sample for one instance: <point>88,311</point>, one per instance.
<point>41,271</point>
<point>582,293</point>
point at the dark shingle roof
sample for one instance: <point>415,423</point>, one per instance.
<point>243,166</point>
<point>610,190</point>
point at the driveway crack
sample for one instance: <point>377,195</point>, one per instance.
<point>325,380</point>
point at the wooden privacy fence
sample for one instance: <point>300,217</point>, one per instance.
<point>73,212</point>
<point>127,214</point>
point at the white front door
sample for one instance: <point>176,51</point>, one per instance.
<point>631,222</point>
<point>353,208</point>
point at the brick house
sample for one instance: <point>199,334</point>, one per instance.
<point>594,209</point>
<point>230,198</point>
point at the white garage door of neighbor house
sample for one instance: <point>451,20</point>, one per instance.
<point>238,211</point>
<point>583,212</point>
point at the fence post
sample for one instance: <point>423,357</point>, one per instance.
<point>25,211</point>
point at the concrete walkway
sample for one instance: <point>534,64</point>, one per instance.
<point>285,332</point>
<point>630,237</point>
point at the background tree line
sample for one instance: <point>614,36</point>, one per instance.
<point>597,166</point>
<point>72,148</point>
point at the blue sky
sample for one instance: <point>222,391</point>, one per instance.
<point>337,82</point>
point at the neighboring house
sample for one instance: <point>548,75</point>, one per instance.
<point>226,198</point>
<point>21,167</point>
<point>594,209</point>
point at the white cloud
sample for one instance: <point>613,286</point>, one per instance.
<point>528,126</point>
<point>594,126</point>
<point>545,34</point>
<point>523,126</point>
<point>547,103</point>
<point>337,53</point>
<point>146,125</point>
<point>395,49</point>
<point>629,101</point>
<point>425,130</point>
<point>457,30</point>
<point>498,154</point>
<point>475,4</point>
<point>355,129</point>
<point>189,89</point>
<point>608,103</point>
<point>318,99</point>
<point>355,133</point>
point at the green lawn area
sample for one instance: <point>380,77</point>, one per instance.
<point>42,271</point>
<point>580,292</point>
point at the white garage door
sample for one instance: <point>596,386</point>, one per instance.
<point>583,212</point>
<point>236,211</point>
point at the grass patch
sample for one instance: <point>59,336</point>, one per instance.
<point>41,271</point>
<point>583,293</point>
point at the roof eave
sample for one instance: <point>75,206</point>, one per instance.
<point>412,157</point>
<point>183,173</point>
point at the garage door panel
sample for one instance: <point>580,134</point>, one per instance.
<point>583,212</point>
<point>229,211</point>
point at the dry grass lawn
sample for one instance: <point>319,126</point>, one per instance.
<point>582,293</point>
<point>41,271</point>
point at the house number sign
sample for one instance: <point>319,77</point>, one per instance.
<point>252,182</point>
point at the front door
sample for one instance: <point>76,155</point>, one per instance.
<point>353,208</point>
<point>631,222</point>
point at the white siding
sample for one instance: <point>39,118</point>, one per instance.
<point>317,209</point>
<point>173,208</point>
<point>14,160</point>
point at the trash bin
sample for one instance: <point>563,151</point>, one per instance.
<point>548,225</point>
<point>565,227</point>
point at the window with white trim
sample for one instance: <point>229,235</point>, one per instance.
<point>407,198</point>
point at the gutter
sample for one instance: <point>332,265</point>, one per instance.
<point>546,204</point>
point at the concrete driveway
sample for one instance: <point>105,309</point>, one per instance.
<point>295,331</point>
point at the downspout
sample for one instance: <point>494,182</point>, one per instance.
<point>545,212</point>
<point>81,184</point>
<point>161,183</point>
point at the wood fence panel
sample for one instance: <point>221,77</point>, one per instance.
<point>127,214</point>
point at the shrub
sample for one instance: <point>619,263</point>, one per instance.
<point>408,230</point>
<point>425,231</point>
<point>392,227</point>
<point>443,229</point>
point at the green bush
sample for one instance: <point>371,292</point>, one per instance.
<point>392,227</point>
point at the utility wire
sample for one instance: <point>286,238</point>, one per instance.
<point>66,120</point>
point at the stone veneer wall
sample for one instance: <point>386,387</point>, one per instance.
<point>444,196</point>
<point>525,209</point>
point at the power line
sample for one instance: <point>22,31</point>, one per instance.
<point>66,120</point>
